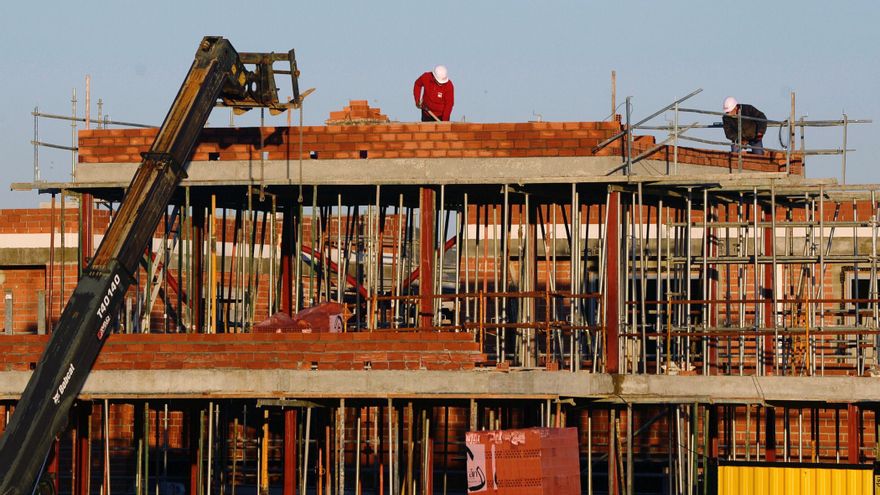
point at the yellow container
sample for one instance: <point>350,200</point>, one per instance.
<point>779,479</point>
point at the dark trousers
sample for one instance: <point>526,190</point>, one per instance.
<point>426,117</point>
<point>754,147</point>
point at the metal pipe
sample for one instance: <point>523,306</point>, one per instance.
<point>759,346</point>
<point>340,452</point>
<point>305,463</point>
<point>391,440</point>
<point>773,270</point>
<point>705,277</point>
<point>589,452</point>
<point>208,485</point>
<point>790,137</point>
<point>821,270</point>
<point>357,457</point>
<point>644,280</point>
<point>505,219</point>
<point>101,122</point>
<point>36,147</point>
<point>675,141</point>
<point>107,447</point>
<point>73,137</point>
<point>843,156</point>
<point>629,137</point>
<point>630,467</point>
<point>649,117</point>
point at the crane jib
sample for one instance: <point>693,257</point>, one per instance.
<point>41,413</point>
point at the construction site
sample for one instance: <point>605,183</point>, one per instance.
<point>369,306</point>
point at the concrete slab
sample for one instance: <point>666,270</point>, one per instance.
<point>533,384</point>
<point>403,171</point>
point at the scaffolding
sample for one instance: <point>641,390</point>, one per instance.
<point>734,274</point>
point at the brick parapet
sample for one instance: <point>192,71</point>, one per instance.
<point>410,140</point>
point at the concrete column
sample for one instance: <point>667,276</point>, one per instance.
<point>427,208</point>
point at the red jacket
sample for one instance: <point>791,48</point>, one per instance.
<point>438,98</point>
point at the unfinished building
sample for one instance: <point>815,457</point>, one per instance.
<point>685,309</point>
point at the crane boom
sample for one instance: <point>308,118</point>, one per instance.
<point>217,73</point>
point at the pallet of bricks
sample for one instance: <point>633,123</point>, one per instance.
<point>523,462</point>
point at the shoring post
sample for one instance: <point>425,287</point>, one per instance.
<point>629,450</point>
<point>852,433</point>
<point>53,463</point>
<point>289,452</point>
<point>264,454</point>
<point>426,256</point>
<point>82,460</point>
<point>288,256</point>
<point>769,290</point>
<point>843,155</point>
<point>613,485</point>
<point>770,434</point>
<point>612,283</point>
<point>198,259</point>
<point>193,427</point>
<point>613,94</point>
<point>86,231</point>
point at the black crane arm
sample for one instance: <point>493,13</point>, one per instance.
<point>218,73</point>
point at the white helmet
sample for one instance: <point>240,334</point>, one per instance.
<point>440,74</point>
<point>730,104</point>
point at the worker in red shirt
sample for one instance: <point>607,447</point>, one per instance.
<point>434,94</point>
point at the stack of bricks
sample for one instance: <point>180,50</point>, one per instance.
<point>327,351</point>
<point>414,140</point>
<point>358,112</point>
<point>532,461</point>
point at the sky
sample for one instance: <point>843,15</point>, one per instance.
<point>510,61</point>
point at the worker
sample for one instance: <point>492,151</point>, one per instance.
<point>434,94</point>
<point>752,128</point>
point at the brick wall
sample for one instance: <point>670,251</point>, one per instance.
<point>343,351</point>
<point>443,140</point>
<point>23,285</point>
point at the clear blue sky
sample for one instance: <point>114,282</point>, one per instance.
<point>508,59</point>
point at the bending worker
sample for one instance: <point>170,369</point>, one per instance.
<point>752,128</point>
<point>434,94</point>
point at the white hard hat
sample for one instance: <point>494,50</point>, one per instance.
<point>440,74</point>
<point>729,104</point>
